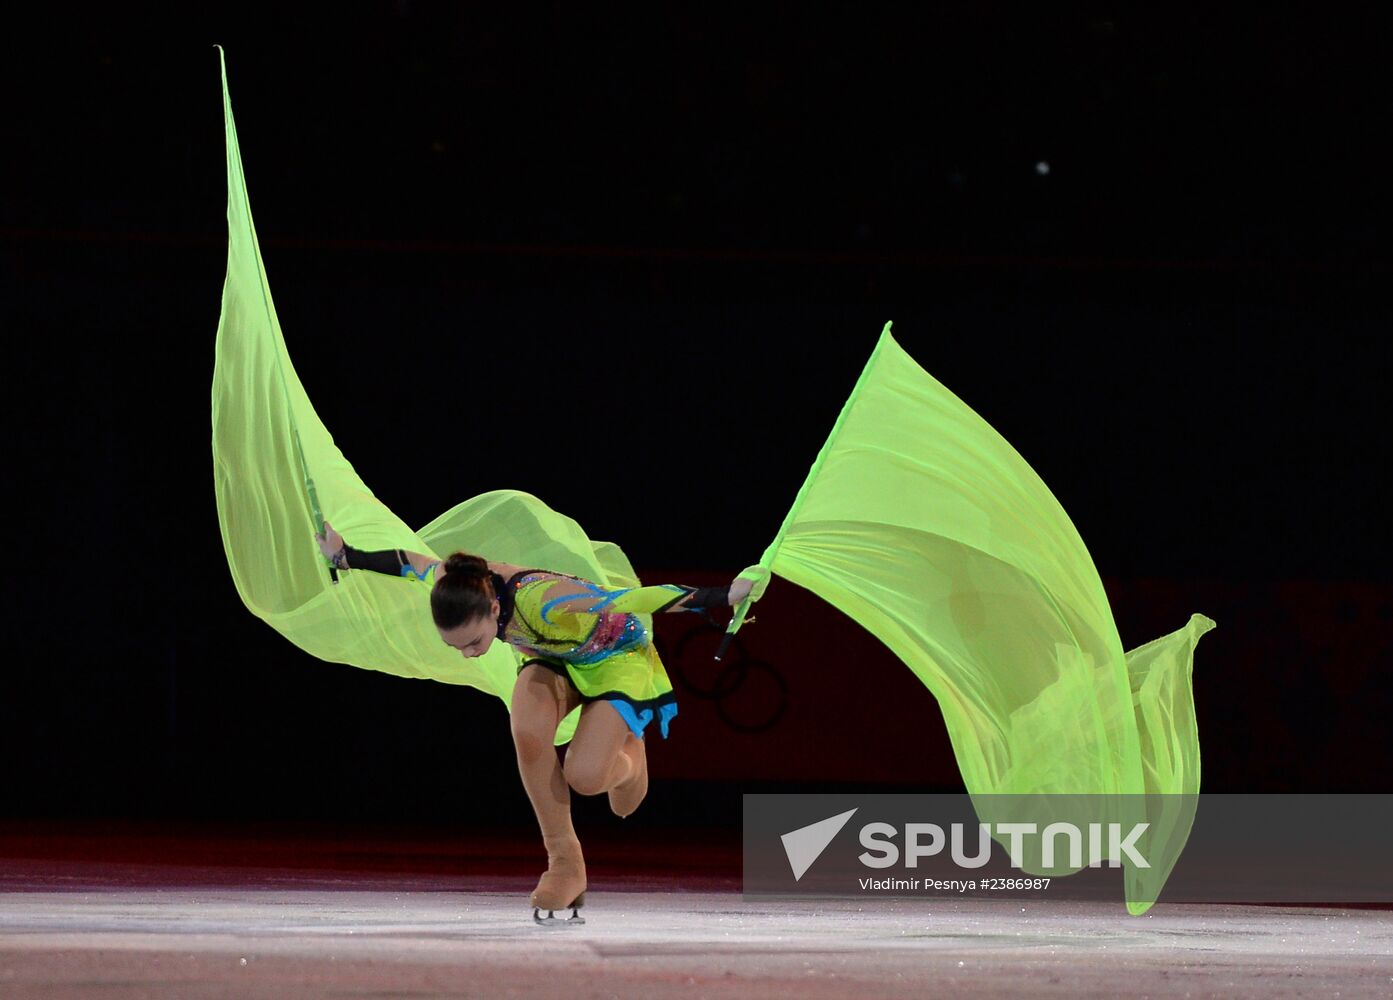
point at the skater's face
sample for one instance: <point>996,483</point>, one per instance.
<point>473,638</point>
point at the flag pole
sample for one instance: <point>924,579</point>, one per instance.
<point>766,561</point>
<point>235,174</point>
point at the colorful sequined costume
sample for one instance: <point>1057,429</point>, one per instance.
<point>600,639</point>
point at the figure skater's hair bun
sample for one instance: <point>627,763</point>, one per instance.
<point>464,593</point>
<point>467,566</point>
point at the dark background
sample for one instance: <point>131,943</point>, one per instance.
<point>632,260</point>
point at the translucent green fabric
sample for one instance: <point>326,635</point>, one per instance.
<point>918,520</point>
<point>922,523</point>
<point>276,468</point>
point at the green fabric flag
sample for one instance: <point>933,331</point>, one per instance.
<point>917,519</point>
<point>278,475</point>
<point>922,523</point>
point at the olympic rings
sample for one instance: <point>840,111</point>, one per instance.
<point>749,714</point>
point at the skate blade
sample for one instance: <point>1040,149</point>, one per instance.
<point>552,920</point>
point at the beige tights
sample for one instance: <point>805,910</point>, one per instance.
<point>602,754</point>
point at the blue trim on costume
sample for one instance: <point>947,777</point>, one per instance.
<point>548,605</point>
<point>610,597</point>
<point>595,591</point>
<point>666,713</point>
<point>406,570</point>
<point>637,721</point>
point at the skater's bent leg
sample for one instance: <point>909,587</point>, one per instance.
<point>541,699</point>
<point>600,755</point>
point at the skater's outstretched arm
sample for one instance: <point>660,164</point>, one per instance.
<point>583,597</point>
<point>394,562</point>
<point>569,595</point>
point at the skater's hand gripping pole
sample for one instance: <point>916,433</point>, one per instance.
<point>736,621</point>
<point>759,579</point>
<point>322,528</point>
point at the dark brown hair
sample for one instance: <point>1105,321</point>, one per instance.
<point>464,593</point>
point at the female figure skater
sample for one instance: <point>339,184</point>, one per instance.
<point>582,645</point>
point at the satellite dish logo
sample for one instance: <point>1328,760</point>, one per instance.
<point>806,844</point>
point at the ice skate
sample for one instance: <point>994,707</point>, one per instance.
<point>562,886</point>
<point>552,920</point>
<point>625,797</point>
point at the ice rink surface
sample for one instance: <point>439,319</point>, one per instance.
<point>113,927</point>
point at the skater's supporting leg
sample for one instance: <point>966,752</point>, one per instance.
<point>541,699</point>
